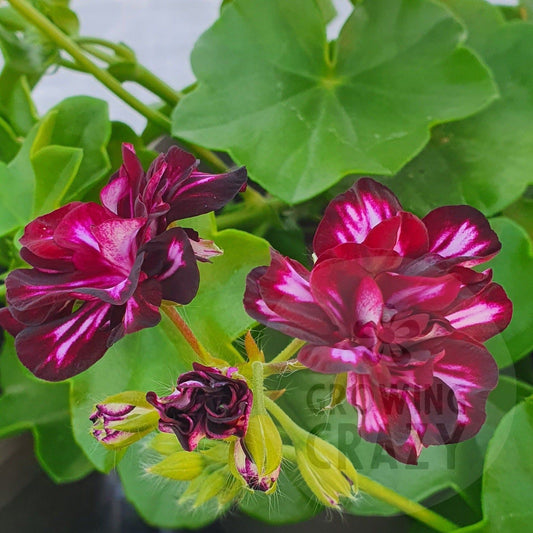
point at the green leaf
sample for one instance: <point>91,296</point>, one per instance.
<point>513,269</point>
<point>484,160</point>
<point>61,162</point>
<point>301,114</point>
<point>82,122</point>
<point>217,314</point>
<point>440,468</point>
<point>31,404</point>
<point>508,474</point>
<point>9,143</point>
<point>522,213</point>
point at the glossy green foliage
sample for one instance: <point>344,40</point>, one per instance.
<point>301,112</point>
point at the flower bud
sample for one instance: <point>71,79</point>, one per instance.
<point>258,455</point>
<point>123,419</point>
<point>327,471</point>
<point>181,466</point>
<point>206,403</point>
<point>214,483</point>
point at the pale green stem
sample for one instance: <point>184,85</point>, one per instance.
<point>37,19</point>
<point>293,348</point>
<point>119,49</point>
<point>367,485</point>
<point>293,430</point>
<point>257,386</point>
<point>409,507</point>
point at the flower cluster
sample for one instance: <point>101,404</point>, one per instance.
<point>393,301</point>
<point>206,403</point>
<point>101,271</point>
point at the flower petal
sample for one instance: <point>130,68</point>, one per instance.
<point>169,259</point>
<point>62,348</point>
<point>384,414</point>
<point>30,288</point>
<point>418,292</point>
<point>293,310</point>
<point>139,312</point>
<point>347,294</point>
<point>201,193</point>
<point>350,216</point>
<point>371,259</point>
<point>332,360</point>
<point>9,322</point>
<point>469,370</point>
<point>38,235</point>
<point>483,315</point>
<point>461,231</point>
<point>404,233</point>
<point>124,186</point>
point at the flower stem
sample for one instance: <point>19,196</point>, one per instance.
<point>187,333</point>
<point>120,49</point>
<point>289,351</point>
<point>293,430</point>
<point>367,485</point>
<point>409,507</point>
<point>48,28</point>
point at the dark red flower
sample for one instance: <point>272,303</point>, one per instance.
<point>392,300</point>
<point>93,281</point>
<point>100,272</point>
<point>206,403</point>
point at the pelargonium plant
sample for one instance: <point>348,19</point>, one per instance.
<point>305,286</point>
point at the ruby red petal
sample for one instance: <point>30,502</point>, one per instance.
<point>483,315</point>
<point>461,231</point>
<point>66,346</point>
<point>201,193</point>
<point>170,259</point>
<point>469,370</point>
<point>259,310</point>
<point>417,292</point>
<point>351,216</point>
<point>339,288</point>
<point>332,360</point>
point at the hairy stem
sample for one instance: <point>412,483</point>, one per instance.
<point>289,351</point>
<point>187,333</point>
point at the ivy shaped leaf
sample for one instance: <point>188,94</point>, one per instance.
<point>302,113</point>
<point>28,403</point>
<point>484,160</point>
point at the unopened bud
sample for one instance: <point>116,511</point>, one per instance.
<point>181,466</point>
<point>123,419</point>
<point>327,471</point>
<point>258,455</point>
